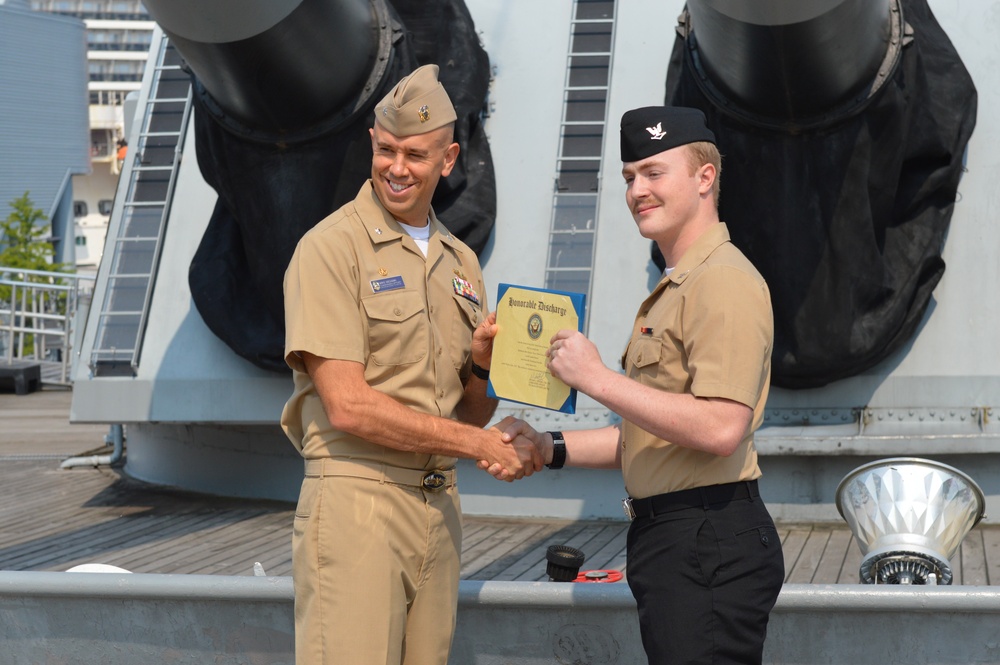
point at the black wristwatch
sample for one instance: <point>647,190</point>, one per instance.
<point>483,374</point>
<point>558,451</point>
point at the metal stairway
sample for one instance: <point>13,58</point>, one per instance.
<point>150,172</point>
<point>573,225</point>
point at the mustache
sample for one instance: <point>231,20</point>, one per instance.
<point>645,203</point>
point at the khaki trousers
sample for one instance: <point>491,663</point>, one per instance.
<point>375,567</point>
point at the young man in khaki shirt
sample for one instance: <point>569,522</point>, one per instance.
<point>704,558</point>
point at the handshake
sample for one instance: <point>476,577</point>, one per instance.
<point>515,450</point>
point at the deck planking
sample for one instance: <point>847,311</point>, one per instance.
<point>53,519</point>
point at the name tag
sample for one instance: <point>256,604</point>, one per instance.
<point>387,284</point>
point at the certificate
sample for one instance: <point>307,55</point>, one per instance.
<point>527,319</point>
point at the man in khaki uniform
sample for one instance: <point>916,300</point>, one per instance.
<point>390,343</point>
<point>704,559</point>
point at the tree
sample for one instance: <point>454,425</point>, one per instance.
<point>21,238</point>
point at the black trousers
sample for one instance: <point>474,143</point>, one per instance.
<point>705,580</point>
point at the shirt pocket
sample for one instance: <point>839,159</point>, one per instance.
<point>397,329</point>
<point>466,321</point>
<point>643,358</point>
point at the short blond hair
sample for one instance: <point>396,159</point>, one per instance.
<point>705,152</point>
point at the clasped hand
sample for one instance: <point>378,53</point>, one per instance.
<point>528,445</point>
<point>573,359</point>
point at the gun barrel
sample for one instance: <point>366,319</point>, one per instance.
<point>789,59</point>
<point>276,65</point>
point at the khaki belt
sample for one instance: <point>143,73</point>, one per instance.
<point>434,480</point>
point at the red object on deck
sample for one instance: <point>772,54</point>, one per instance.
<point>599,576</point>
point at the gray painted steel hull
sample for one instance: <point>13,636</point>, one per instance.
<point>122,619</point>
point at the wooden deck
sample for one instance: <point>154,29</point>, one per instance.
<point>53,519</point>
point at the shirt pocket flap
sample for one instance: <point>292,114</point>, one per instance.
<point>397,306</point>
<point>471,314</point>
<point>644,352</point>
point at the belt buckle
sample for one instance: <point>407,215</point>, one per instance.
<point>434,481</point>
<point>629,511</point>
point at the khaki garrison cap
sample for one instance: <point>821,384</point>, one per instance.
<point>417,104</point>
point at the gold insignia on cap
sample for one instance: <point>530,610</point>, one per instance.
<point>406,109</point>
<point>383,272</point>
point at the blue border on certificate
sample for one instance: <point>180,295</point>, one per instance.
<point>579,301</point>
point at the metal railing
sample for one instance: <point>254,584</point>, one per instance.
<point>38,318</point>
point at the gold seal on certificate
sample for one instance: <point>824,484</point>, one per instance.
<point>527,319</point>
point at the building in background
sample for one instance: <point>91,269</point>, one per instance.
<point>43,115</point>
<point>118,34</point>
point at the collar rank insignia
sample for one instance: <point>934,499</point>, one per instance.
<point>656,133</point>
<point>464,289</point>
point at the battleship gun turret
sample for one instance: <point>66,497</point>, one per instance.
<point>284,91</point>
<point>843,125</point>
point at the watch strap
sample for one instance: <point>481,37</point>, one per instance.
<point>558,451</point>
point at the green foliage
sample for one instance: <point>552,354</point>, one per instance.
<point>21,237</point>
<point>22,246</point>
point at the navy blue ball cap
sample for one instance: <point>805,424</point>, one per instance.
<point>652,129</point>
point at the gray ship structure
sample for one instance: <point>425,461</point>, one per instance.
<point>857,175</point>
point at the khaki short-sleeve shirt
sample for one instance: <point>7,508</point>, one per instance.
<point>706,330</point>
<point>359,289</point>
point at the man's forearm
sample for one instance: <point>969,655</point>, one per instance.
<point>476,408</point>
<point>712,425</point>
<point>380,419</point>
<point>354,407</point>
<point>593,448</point>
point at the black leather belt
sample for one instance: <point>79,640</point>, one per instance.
<point>696,497</point>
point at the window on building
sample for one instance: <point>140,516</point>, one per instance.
<point>102,142</point>
<point>126,7</point>
<point>98,70</point>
